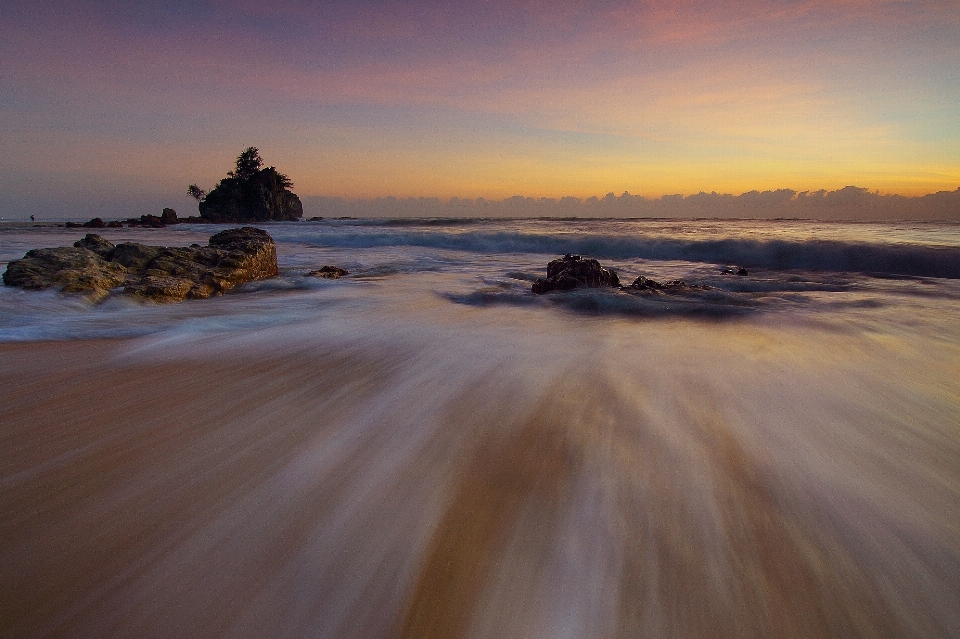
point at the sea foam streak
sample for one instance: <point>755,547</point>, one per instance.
<point>384,456</point>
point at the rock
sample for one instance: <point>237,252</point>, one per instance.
<point>329,272</point>
<point>646,285</point>
<point>97,244</point>
<point>115,224</point>
<point>233,257</point>
<point>134,256</point>
<point>71,269</point>
<point>734,271</point>
<point>94,265</point>
<point>315,218</point>
<point>152,221</point>
<point>161,289</point>
<point>573,271</point>
<point>95,223</point>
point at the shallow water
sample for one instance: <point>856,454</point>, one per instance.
<point>426,449</point>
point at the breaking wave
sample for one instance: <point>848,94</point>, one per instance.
<point>780,254</point>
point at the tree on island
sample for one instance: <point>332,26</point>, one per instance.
<point>249,193</point>
<point>248,164</point>
<point>196,192</point>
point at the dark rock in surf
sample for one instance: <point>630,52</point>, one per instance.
<point>644,284</point>
<point>93,266</point>
<point>734,271</point>
<point>329,272</point>
<point>167,217</point>
<point>573,271</point>
<point>95,223</point>
<point>71,269</point>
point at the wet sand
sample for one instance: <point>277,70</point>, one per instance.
<point>327,492</point>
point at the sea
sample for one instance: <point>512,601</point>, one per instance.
<point>425,448</point>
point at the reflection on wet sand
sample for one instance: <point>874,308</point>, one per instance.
<point>351,492</point>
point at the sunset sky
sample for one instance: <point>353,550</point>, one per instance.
<point>115,107</point>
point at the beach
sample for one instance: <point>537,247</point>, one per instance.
<point>426,449</point>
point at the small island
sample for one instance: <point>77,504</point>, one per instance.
<point>249,193</point>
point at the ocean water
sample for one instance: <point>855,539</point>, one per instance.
<point>424,448</point>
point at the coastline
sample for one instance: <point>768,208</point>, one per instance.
<point>425,448</point>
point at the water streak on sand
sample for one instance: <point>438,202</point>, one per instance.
<point>405,454</point>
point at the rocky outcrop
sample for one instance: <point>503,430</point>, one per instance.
<point>69,268</point>
<point>329,272</point>
<point>573,271</point>
<point>168,217</point>
<point>94,265</point>
<point>646,285</point>
<point>263,197</point>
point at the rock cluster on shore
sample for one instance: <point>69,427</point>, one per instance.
<point>166,218</point>
<point>93,266</point>
<point>573,271</point>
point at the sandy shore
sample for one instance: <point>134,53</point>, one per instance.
<point>324,494</point>
<point>112,469</point>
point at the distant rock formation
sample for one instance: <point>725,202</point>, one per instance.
<point>249,193</point>
<point>260,198</point>
<point>169,216</point>
<point>93,266</point>
<point>573,271</point>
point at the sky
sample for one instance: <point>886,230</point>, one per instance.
<point>113,108</point>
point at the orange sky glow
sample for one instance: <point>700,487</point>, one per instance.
<point>117,107</point>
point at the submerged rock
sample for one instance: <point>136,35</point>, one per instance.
<point>329,272</point>
<point>735,271</point>
<point>161,274</point>
<point>573,271</point>
<point>646,284</point>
